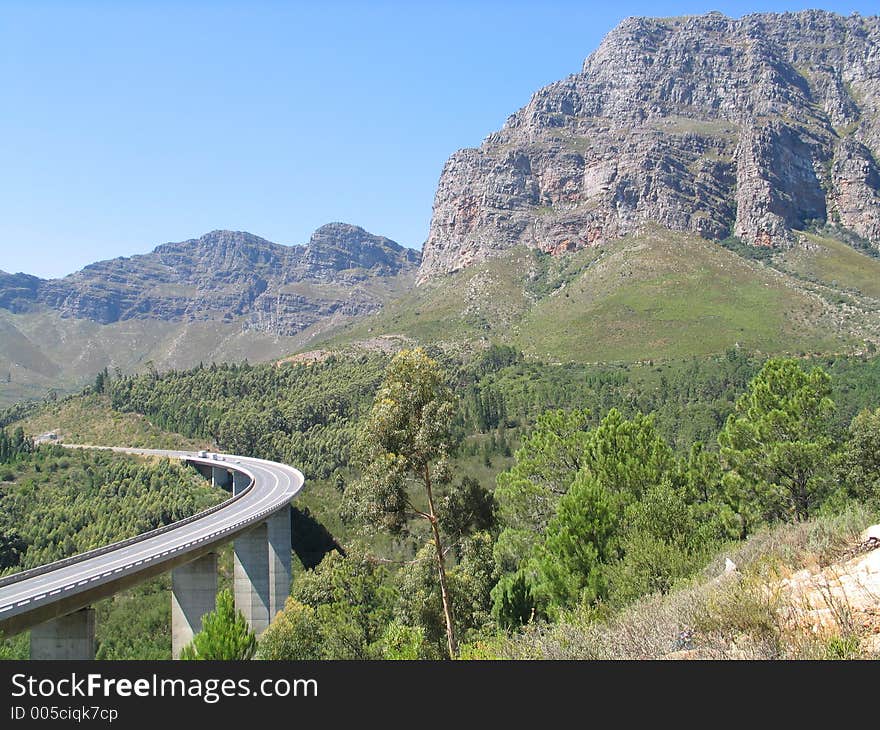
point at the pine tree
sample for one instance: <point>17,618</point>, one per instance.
<point>777,442</point>
<point>580,539</point>
<point>225,634</point>
<point>513,601</point>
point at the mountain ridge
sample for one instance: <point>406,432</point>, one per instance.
<point>221,275</point>
<point>703,124</point>
<point>226,296</point>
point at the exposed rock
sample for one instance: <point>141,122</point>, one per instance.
<point>17,291</point>
<point>871,536</point>
<point>339,250</point>
<point>842,597</point>
<point>752,127</point>
<point>305,358</point>
<point>855,183</point>
<point>226,276</point>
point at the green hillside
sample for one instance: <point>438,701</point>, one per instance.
<point>89,419</point>
<point>834,264</point>
<point>659,295</point>
<point>43,350</point>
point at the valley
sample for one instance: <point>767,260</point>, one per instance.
<point>638,346</point>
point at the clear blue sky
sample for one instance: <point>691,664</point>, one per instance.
<point>128,124</point>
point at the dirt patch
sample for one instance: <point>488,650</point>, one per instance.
<point>305,358</point>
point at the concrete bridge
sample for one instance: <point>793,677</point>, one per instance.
<point>54,600</point>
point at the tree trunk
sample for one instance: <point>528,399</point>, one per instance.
<point>802,499</point>
<point>452,644</point>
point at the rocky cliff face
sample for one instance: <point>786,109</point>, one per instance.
<point>226,276</point>
<point>751,127</point>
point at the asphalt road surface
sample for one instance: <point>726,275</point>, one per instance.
<point>40,594</point>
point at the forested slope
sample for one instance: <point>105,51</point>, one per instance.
<point>642,442</point>
<point>57,502</point>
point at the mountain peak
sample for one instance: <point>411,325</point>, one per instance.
<point>340,229</point>
<point>216,240</point>
<point>230,276</point>
<point>350,236</point>
<point>351,246</point>
<point>703,124</point>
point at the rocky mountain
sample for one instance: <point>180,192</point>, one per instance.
<point>761,133</point>
<point>755,128</point>
<point>227,296</point>
<point>226,276</point>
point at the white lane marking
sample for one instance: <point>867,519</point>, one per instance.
<point>250,507</point>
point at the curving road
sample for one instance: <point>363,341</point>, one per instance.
<point>38,595</point>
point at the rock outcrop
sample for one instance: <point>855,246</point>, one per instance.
<point>840,598</point>
<point>751,127</point>
<point>226,276</point>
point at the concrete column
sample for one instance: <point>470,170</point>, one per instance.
<point>278,528</point>
<point>251,577</point>
<point>220,477</point>
<point>193,594</point>
<point>240,481</point>
<point>66,637</point>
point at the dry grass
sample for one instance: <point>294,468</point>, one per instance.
<point>91,420</point>
<point>818,542</point>
<point>742,614</point>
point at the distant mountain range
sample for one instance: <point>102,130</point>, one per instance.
<point>702,183</point>
<point>225,296</point>
<point>225,276</point>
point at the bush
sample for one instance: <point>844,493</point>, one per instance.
<point>650,565</point>
<point>401,642</point>
<point>292,635</point>
<point>514,603</point>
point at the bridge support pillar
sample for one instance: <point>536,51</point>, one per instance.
<point>193,594</point>
<point>278,528</point>
<point>220,477</point>
<point>251,577</point>
<point>240,481</point>
<point>66,637</point>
